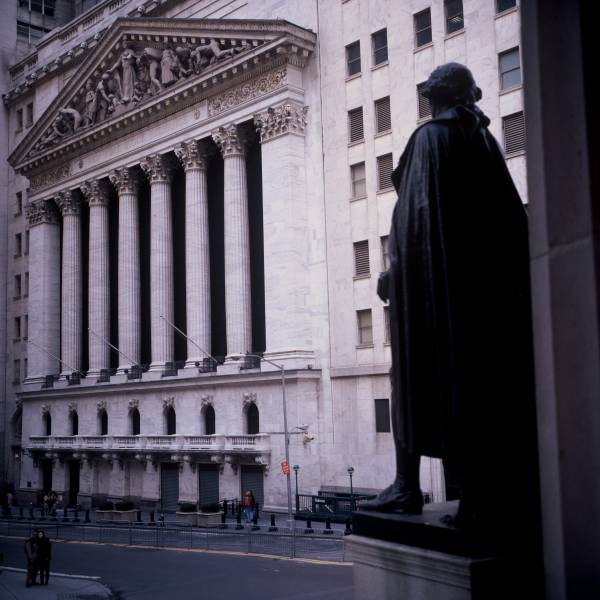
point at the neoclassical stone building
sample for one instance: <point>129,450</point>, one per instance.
<point>204,180</point>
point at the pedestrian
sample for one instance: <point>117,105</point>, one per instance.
<point>46,505</point>
<point>249,503</point>
<point>31,553</point>
<point>44,555</point>
<point>9,500</point>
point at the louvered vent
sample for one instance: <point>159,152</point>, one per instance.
<point>355,125</point>
<point>383,119</point>
<point>514,133</point>
<point>361,258</point>
<point>424,105</point>
<point>385,166</point>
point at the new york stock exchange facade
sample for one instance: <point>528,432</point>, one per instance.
<point>168,196</point>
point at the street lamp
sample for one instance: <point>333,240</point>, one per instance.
<point>296,469</point>
<point>286,433</point>
<point>350,472</point>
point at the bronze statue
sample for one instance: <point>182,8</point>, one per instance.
<point>458,287</point>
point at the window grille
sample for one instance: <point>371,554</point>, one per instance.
<point>380,50</point>
<point>18,244</point>
<point>383,118</point>
<point>359,181</point>
<point>356,131</point>
<point>454,15</point>
<point>353,59</point>
<point>382,415</point>
<point>19,119</point>
<point>361,258</point>
<point>17,286</point>
<point>502,5</point>
<point>509,66</point>
<point>19,204</point>
<point>29,115</point>
<point>513,127</point>
<point>385,255</point>
<point>365,327</point>
<point>422,21</point>
<point>423,104</point>
<point>17,371</point>
<point>17,328</point>
<point>386,323</point>
<point>385,166</point>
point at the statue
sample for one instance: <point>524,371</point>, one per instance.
<point>171,67</point>
<point>458,288</point>
<point>124,72</point>
<point>149,61</point>
<point>104,97</point>
<point>91,105</point>
<point>205,55</point>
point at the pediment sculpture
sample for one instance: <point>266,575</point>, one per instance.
<point>140,72</point>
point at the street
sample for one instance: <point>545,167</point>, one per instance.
<point>150,574</point>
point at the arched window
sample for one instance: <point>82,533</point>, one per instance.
<point>170,422</point>
<point>74,418</point>
<point>209,420</point>
<point>102,422</point>
<point>134,421</point>
<point>252,419</point>
<point>47,421</point>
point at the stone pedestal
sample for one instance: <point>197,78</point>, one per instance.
<point>421,558</point>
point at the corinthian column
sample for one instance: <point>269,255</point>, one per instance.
<point>128,302</point>
<point>238,310</point>
<point>97,196</point>
<point>44,290</point>
<point>71,314</point>
<point>158,171</point>
<point>197,252</point>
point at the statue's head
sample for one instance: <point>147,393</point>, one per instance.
<point>451,85</point>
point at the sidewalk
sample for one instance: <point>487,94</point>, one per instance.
<point>60,587</point>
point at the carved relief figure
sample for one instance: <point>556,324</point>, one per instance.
<point>124,71</point>
<point>169,67</point>
<point>91,105</point>
<point>104,101</point>
<point>149,61</point>
<point>205,55</point>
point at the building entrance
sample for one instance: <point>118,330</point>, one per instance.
<point>73,482</point>
<point>208,485</point>
<point>169,486</point>
<point>252,479</point>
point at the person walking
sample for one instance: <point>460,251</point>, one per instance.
<point>31,553</point>
<point>249,504</point>
<point>44,555</point>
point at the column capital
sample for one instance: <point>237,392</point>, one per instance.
<point>157,168</point>
<point>279,120</point>
<point>69,203</point>
<point>229,140</point>
<point>96,192</point>
<point>125,180</point>
<point>42,211</point>
<point>192,155</point>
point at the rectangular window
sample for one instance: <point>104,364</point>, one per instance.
<point>509,66</point>
<point>382,415</point>
<point>365,327</point>
<point>26,250</point>
<point>17,371</point>
<point>26,285</point>
<point>25,327</point>
<point>24,368</point>
<point>18,244</point>
<point>380,50</point>
<point>422,22</point>
<point>17,322</point>
<point>386,325</point>
<point>17,286</point>
<point>353,59</point>
<point>359,181</point>
<point>454,15</point>
<point>502,5</point>
<point>423,104</point>
<point>513,127</point>
<point>356,132</point>
<point>361,258</point>
<point>383,117</point>
<point>385,166</point>
<point>18,204</point>
<point>19,119</point>
<point>385,255</point>
<point>29,115</point>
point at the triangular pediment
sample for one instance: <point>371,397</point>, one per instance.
<point>148,62</point>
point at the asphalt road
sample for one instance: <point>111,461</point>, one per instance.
<point>151,574</point>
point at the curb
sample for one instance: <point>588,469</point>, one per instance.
<point>53,574</point>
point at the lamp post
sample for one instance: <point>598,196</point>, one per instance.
<point>296,469</point>
<point>350,473</point>
<point>286,433</point>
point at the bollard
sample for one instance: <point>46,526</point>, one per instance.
<point>139,516</point>
<point>327,530</point>
<point>223,524</point>
<point>348,529</point>
<point>76,516</point>
<point>152,521</point>
<point>309,528</point>
<point>21,517</point>
<point>65,515</point>
<point>255,525</point>
<point>31,513</point>
<point>238,521</point>
<point>87,516</point>
<point>273,527</point>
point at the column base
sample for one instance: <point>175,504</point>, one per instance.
<point>157,366</point>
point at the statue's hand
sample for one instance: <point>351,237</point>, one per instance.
<point>383,286</point>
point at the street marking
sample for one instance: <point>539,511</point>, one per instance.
<point>315,561</point>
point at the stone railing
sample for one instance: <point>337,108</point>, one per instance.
<point>211,443</point>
